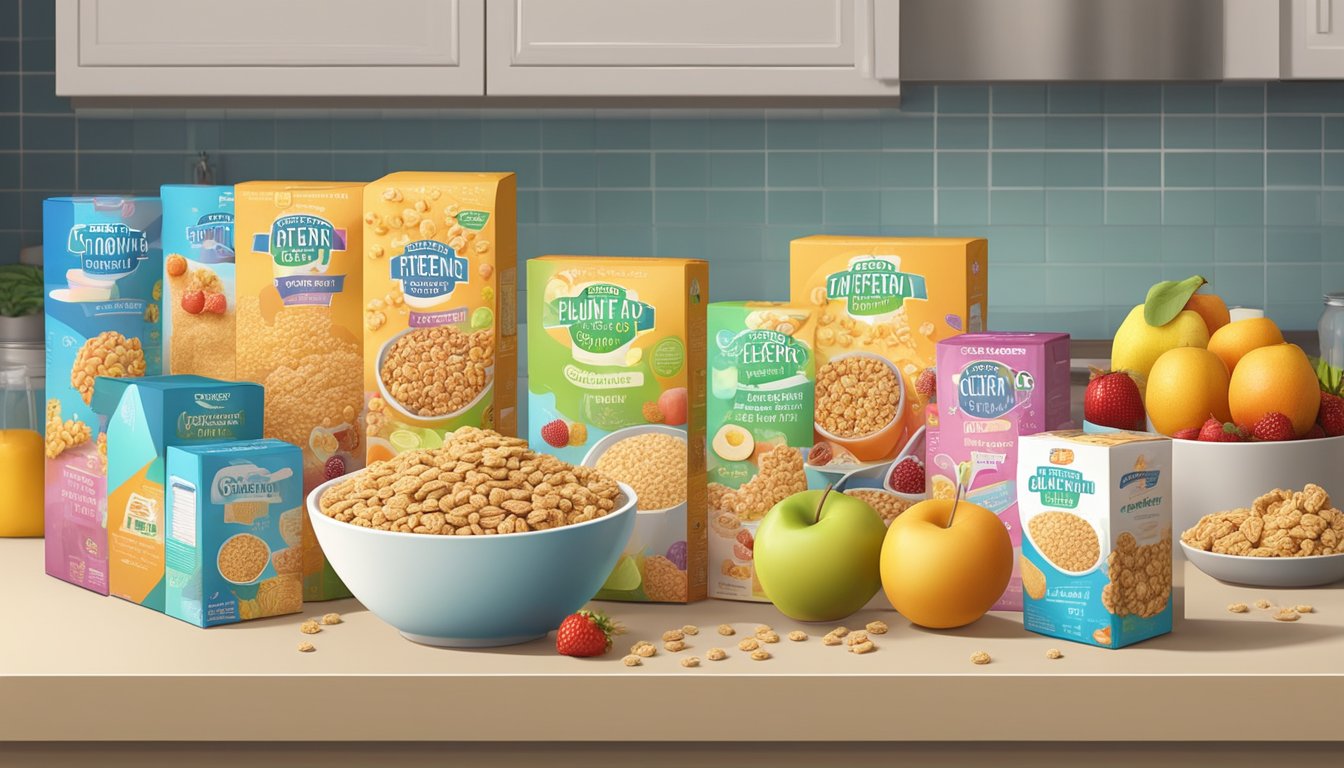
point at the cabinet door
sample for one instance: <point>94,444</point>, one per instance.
<point>692,47</point>
<point>1314,40</point>
<point>248,48</point>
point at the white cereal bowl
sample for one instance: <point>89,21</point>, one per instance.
<point>652,526</point>
<point>474,591</point>
<point>424,421</point>
<point>1268,571</point>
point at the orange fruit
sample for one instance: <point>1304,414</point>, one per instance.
<point>1231,342</point>
<point>1186,387</point>
<point>1275,378</point>
<point>1210,307</point>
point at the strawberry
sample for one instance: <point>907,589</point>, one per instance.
<point>586,633</point>
<point>1112,400</point>
<point>1316,431</point>
<point>908,476</point>
<point>1331,414</point>
<point>926,383</point>
<point>1215,431</point>
<point>193,302</point>
<point>216,304</point>
<point>556,433</point>
<point>334,468</point>
<point>1273,426</point>
<point>1187,434</point>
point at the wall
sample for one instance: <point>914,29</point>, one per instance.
<point>1087,193</point>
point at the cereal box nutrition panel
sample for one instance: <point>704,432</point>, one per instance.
<point>440,314</point>
<point>760,411</point>
<point>992,388</point>
<point>144,418</point>
<point>235,522</point>
<point>102,270</point>
<point>301,331</point>
<point>616,361</point>
<point>199,313</point>
<point>1096,543</point>
<point>883,304</point>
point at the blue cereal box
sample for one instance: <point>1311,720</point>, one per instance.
<point>102,265</point>
<point>198,288</point>
<point>145,417</point>
<point>1096,535</point>
<point>234,531</point>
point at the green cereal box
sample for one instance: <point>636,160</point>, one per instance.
<point>234,531</point>
<point>761,395</point>
<point>616,360</point>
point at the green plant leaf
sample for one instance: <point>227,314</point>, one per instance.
<point>1330,377</point>
<point>1166,299</point>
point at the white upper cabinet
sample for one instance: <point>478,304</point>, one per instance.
<point>634,48</point>
<point>1313,39</point>
<point>270,48</point>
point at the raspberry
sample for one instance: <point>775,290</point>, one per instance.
<point>193,302</point>
<point>908,476</point>
<point>215,303</point>
<point>1331,414</point>
<point>556,433</point>
<point>334,468</point>
<point>926,383</point>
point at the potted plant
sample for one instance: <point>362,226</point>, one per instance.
<point>20,303</point>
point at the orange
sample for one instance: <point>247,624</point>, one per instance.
<point>1231,342</point>
<point>1186,387</point>
<point>1275,378</point>
<point>1210,307</point>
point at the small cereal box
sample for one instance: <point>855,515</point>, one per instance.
<point>1096,543</point>
<point>760,408</point>
<point>884,302</point>
<point>235,527</point>
<point>301,332</point>
<point>102,272</point>
<point>145,417</point>
<point>440,312</point>
<point>199,316</point>
<point>616,360</point>
<point>992,389</point>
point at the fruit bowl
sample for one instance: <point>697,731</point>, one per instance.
<point>474,591</point>
<point>1269,572</point>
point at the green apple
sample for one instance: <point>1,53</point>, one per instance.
<point>817,555</point>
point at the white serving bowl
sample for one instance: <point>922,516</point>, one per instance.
<point>402,413</point>
<point>1268,571</point>
<point>652,526</point>
<point>474,591</point>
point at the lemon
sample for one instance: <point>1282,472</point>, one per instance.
<point>404,440</point>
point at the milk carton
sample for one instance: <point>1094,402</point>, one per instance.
<point>993,388</point>
<point>1096,545</point>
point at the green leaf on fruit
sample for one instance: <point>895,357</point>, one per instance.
<point>1330,377</point>
<point>1166,299</point>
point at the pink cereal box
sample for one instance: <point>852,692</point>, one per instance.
<point>993,388</point>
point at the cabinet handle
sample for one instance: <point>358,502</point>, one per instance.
<point>1323,16</point>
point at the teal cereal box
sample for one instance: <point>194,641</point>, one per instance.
<point>1096,535</point>
<point>234,545</point>
<point>199,317</point>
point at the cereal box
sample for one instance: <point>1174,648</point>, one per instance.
<point>301,332</point>
<point>440,307</point>
<point>198,303</point>
<point>884,303</point>
<point>993,388</point>
<point>145,417</point>
<point>102,271</point>
<point>234,531</point>
<point>1096,543</point>
<point>759,426</point>
<point>616,361</point>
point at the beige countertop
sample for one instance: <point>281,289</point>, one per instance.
<point>78,667</point>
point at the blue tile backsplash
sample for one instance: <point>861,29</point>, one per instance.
<point>1088,193</point>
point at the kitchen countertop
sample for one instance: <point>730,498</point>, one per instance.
<point>78,667</point>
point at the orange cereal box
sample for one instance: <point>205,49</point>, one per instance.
<point>885,304</point>
<point>300,333</point>
<point>440,311</point>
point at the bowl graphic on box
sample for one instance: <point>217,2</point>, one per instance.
<point>404,414</point>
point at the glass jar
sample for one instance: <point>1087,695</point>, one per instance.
<point>21,454</point>
<point>1331,329</point>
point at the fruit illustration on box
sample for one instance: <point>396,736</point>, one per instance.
<point>816,555</point>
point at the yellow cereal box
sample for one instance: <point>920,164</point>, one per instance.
<point>299,272</point>
<point>616,380</point>
<point>885,303</point>
<point>440,311</point>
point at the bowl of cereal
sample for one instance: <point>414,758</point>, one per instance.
<point>1071,543</point>
<point>478,543</point>
<point>861,404</point>
<point>430,375</point>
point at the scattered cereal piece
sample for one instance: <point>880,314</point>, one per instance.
<point>1263,603</point>
<point>867,646</point>
<point>760,654</point>
<point>750,644</point>
<point>1238,608</point>
<point>980,657</point>
<point>716,654</point>
<point>310,627</point>
<point>768,637</point>
<point>673,634</point>
<point>855,638</point>
<point>764,628</point>
<point>690,629</point>
<point>1054,653</point>
<point>726,630</point>
<point>632,661</point>
<point>876,627</point>
<point>831,639</point>
<point>840,631</point>
<point>331,618</point>
<point>797,636</point>
<point>673,646</point>
<point>643,648</point>
<point>1304,608</point>
<point>690,661</point>
<point>1287,614</point>
<point>307,648</point>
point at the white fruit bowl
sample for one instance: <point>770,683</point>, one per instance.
<point>1268,572</point>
